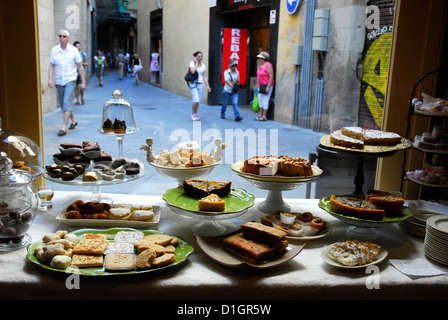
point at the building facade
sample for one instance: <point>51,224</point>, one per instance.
<point>330,57</point>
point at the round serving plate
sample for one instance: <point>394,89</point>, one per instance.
<point>184,173</point>
<point>328,259</point>
<point>275,185</point>
<point>237,204</point>
<point>363,228</point>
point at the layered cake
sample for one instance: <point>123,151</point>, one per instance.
<point>278,165</point>
<point>199,188</point>
<point>261,165</point>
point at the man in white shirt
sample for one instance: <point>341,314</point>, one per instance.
<point>65,64</point>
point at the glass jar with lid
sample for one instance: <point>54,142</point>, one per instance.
<point>18,203</point>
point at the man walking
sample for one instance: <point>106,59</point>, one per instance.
<point>79,93</point>
<point>65,64</point>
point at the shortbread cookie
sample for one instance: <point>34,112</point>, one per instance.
<point>128,236</point>
<point>87,260</point>
<point>145,259</point>
<point>164,260</point>
<point>119,247</point>
<point>91,244</point>
<point>159,239</point>
<point>158,249</point>
<point>119,261</point>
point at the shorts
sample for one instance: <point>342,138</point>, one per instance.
<point>100,72</point>
<point>197,90</point>
<point>66,95</point>
<point>263,99</point>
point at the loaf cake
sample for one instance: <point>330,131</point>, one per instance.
<point>295,166</point>
<point>356,207</point>
<point>257,243</point>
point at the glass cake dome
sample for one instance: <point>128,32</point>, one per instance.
<point>118,117</point>
<point>25,154</point>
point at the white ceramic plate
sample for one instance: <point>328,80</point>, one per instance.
<point>214,248</point>
<point>326,257</point>
<point>97,223</point>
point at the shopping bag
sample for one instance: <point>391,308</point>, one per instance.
<point>255,104</point>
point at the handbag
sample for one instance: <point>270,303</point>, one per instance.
<point>189,77</point>
<point>264,88</point>
<point>255,103</point>
<point>236,86</point>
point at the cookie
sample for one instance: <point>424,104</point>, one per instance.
<point>159,239</point>
<point>119,261</point>
<point>158,249</point>
<point>120,213</point>
<point>119,247</point>
<point>87,260</point>
<point>128,236</point>
<point>145,259</point>
<point>164,260</point>
<point>143,215</point>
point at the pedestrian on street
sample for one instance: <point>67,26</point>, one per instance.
<point>65,64</point>
<point>136,64</point>
<point>79,93</point>
<point>120,63</point>
<point>197,86</point>
<point>100,66</point>
<point>231,90</point>
<point>265,84</point>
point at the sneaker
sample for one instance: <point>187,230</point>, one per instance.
<point>238,119</point>
<point>194,117</point>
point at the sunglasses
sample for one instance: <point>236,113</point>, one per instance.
<point>60,36</point>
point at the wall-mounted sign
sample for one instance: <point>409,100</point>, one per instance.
<point>234,47</point>
<point>236,5</point>
<point>292,5</point>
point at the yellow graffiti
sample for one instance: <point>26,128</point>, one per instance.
<point>374,74</point>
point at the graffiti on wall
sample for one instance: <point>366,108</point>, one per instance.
<point>374,76</point>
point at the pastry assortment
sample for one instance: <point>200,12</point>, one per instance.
<point>117,126</point>
<point>358,138</point>
<point>129,250</point>
<point>99,210</point>
<point>436,140</point>
<point>376,205</point>
<point>431,105</point>
<point>272,165</point>
<point>354,252</point>
<point>257,243</point>
<point>118,168</point>
<point>295,224</point>
<point>73,154</point>
<point>209,193</point>
<point>434,175</point>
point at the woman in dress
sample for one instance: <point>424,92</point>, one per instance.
<point>197,86</point>
<point>265,81</point>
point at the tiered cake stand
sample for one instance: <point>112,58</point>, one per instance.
<point>275,186</point>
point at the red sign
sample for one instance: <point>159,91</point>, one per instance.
<point>234,47</point>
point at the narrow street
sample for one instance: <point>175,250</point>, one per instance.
<point>166,118</point>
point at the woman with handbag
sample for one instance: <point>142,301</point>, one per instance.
<point>231,90</point>
<point>197,86</point>
<point>265,84</point>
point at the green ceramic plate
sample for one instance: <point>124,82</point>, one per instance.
<point>324,203</point>
<point>238,200</point>
<point>183,250</point>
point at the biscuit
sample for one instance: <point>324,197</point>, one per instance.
<point>60,262</point>
<point>145,259</point>
<point>119,261</point>
<point>158,249</point>
<point>128,236</point>
<point>159,239</point>
<point>91,244</point>
<point>143,215</point>
<point>87,260</point>
<point>119,247</point>
<point>120,213</point>
<point>164,260</point>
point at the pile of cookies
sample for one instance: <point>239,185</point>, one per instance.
<point>129,250</point>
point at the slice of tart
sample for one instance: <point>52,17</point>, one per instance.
<point>212,202</point>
